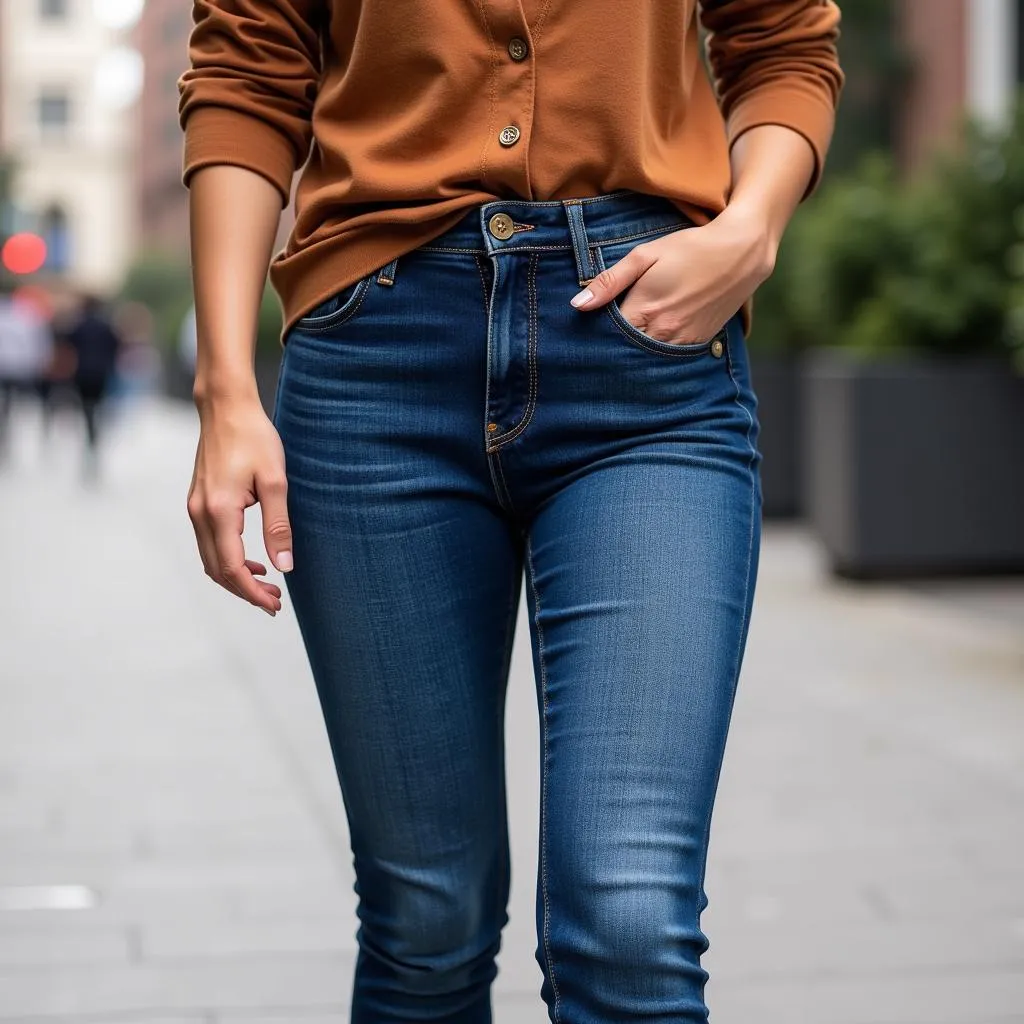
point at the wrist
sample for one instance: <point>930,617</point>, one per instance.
<point>221,388</point>
<point>753,223</point>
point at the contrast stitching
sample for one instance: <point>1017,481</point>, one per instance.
<point>592,243</point>
<point>575,234</point>
<point>546,929</point>
<point>331,320</point>
<point>487,383</point>
<point>535,30</point>
<point>493,88</point>
<point>531,359</point>
<point>639,339</point>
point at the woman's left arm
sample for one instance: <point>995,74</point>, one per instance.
<point>778,80</point>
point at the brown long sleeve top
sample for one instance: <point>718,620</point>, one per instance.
<point>405,113</point>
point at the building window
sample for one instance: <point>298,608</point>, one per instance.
<point>55,231</point>
<point>53,10</point>
<point>54,113</point>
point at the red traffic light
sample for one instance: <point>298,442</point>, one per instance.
<point>23,253</point>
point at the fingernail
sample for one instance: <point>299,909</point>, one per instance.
<point>284,561</point>
<point>268,611</point>
<point>580,297</point>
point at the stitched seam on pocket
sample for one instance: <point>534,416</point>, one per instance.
<point>634,334</point>
<point>315,325</point>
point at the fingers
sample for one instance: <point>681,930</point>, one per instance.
<point>612,280</point>
<point>218,527</point>
<point>271,491</point>
<point>227,525</point>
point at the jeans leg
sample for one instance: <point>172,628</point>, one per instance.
<point>639,621</point>
<point>406,582</point>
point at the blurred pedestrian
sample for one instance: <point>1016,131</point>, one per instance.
<point>26,352</point>
<point>96,345</point>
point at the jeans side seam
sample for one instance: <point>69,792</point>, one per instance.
<point>546,928</point>
<point>746,618</point>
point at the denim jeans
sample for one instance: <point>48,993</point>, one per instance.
<point>451,422</point>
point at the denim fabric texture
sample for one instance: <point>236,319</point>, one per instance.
<point>456,435</point>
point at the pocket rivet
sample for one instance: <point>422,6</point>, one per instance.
<point>492,427</point>
<point>717,348</point>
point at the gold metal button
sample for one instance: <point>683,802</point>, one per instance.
<point>717,348</point>
<point>500,225</point>
<point>492,427</point>
<point>517,48</point>
<point>509,135</point>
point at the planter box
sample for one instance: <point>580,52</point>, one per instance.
<point>914,466</point>
<point>776,380</point>
<point>267,368</point>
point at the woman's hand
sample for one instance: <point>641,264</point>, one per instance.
<point>685,285</point>
<point>695,279</point>
<point>239,462</point>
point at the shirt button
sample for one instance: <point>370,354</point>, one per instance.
<point>509,135</point>
<point>517,48</point>
<point>500,225</point>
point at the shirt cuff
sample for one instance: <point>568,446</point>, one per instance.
<point>803,110</point>
<point>222,135</point>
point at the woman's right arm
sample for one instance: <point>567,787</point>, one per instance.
<point>245,105</point>
<point>234,215</point>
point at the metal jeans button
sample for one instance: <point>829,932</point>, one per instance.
<point>500,225</point>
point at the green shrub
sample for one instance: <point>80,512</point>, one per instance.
<point>268,330</point>
<point>163,283</point>
<point>933,264</point>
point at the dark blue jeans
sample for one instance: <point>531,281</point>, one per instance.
<point>448,421</point>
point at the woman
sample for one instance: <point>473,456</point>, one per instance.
<point>514,340</point>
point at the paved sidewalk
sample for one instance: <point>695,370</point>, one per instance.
<point>160,746</point>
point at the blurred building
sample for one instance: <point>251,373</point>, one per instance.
<point>67,89</point>
<point>965,54</point>
<point>162,38</point>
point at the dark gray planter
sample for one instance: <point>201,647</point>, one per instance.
<point>267,366</point>
<point>776,379</point>
<point>915,465</point>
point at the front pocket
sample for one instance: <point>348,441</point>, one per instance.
<point>615,251</point>
<point>338,308</point>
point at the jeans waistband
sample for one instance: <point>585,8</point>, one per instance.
<point>576,223</point>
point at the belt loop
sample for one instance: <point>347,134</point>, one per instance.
<point>387,274</point>
<point>578,231</point>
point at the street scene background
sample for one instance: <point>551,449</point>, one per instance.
<point>173,848</point>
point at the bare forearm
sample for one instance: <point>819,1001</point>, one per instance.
<point>772,168</point>
<point>234,215</point>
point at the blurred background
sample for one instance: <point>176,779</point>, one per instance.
<point>172,844</point>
